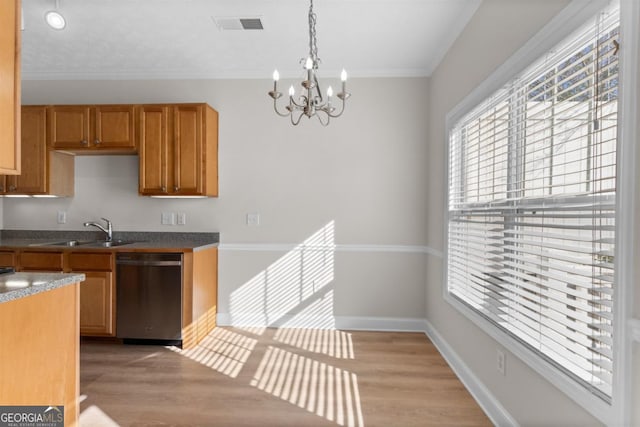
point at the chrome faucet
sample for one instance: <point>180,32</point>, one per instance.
<point>108,231</point>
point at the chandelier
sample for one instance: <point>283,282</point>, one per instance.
<point>310,102</point>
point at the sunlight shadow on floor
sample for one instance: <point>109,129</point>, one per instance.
<point>330,342</point>
<point>222,350</point>
<point>95,417</point>
<point>329,392</point>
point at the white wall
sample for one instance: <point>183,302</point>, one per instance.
<point>496,31</point>
<point>364,173</point>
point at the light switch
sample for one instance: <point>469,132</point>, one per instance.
<point>253,219</point>
<point>182,218</point>
<point>62,217</point>
<point>168,218</point>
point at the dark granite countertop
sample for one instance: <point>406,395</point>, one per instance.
<point>19,285</point>
<point>156,241</point>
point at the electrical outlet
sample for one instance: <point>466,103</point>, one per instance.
<point>253,219</point>
<point>182,218</point>
<point>62,217</point>
<point>168,218</point>
<point>501,360</point>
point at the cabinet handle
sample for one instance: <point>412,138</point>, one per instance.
<point>84,142</point>
<point>176,189</point>
<point>12,188</point>
<point>163,189</point>
<point>96,142</point>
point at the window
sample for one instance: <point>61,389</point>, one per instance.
<point>531,206</point>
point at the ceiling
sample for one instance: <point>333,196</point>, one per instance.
<point>149,39</point>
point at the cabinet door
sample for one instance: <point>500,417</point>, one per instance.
<point>10,87</point>
<point>41,261</point>
<point>69,127</point>
<point>153,149</point>
<point>188,159</point>
<point>33,179</point>
<point>7,259</point>
<point>97,304</point>
<point>114,127</point>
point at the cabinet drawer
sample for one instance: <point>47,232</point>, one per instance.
<point>83,261</point>
<point>7,259</point>
<point>46,261</point>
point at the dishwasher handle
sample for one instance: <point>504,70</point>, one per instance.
<point>149,263</point>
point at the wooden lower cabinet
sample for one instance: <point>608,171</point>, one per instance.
<point>199,295</point>
<point>40,351</point>
<point>97,292</point>
<point>34,260</point>
<point>97,308</point>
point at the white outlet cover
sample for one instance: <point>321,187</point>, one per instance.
<point>168,218</point>
<point>62,217</point>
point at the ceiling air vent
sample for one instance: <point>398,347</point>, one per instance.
<point>224,23</point>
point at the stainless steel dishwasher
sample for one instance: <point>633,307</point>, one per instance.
<point>149,297</point>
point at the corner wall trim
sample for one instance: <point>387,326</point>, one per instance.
<point>487,401</point>
<point>634,326</point>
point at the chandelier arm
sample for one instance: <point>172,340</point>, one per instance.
<point>295,104</point>
<point>334,115</point>
<point>325,123</point>
<point>318,91</point>
<point>295,122</point>
<point>275,108</point>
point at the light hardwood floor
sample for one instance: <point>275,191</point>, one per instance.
<point>275,377</point>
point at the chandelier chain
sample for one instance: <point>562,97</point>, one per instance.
<point>313,41</point>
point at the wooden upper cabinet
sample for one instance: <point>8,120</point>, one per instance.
<point>44,172</point>
<point>10,87</point>
<point>153,149</point>
<point>90,129</point>
<point>188,146</point>
<point>178,149</point>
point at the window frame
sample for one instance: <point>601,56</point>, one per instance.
<point>561,26</point>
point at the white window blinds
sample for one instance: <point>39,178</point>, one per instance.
<point>531,208</point>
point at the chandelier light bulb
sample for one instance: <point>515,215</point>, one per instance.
<point>292,91</point>
<point>329,92</point>
<point>309,64</point>
<point>276,75</point>
<point>343,75</point>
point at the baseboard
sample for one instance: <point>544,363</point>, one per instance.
<point>391,324</point>
<point>487,401</point>
<point>322,322</point>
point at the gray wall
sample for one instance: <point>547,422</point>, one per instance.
<point>495,32</point>
<point>364,174</point>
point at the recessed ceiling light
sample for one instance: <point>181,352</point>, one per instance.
<point>55,20</point>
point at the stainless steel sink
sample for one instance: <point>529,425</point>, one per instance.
<point>69,243</point>
<point>109,244</point>
<point>90,243</point>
